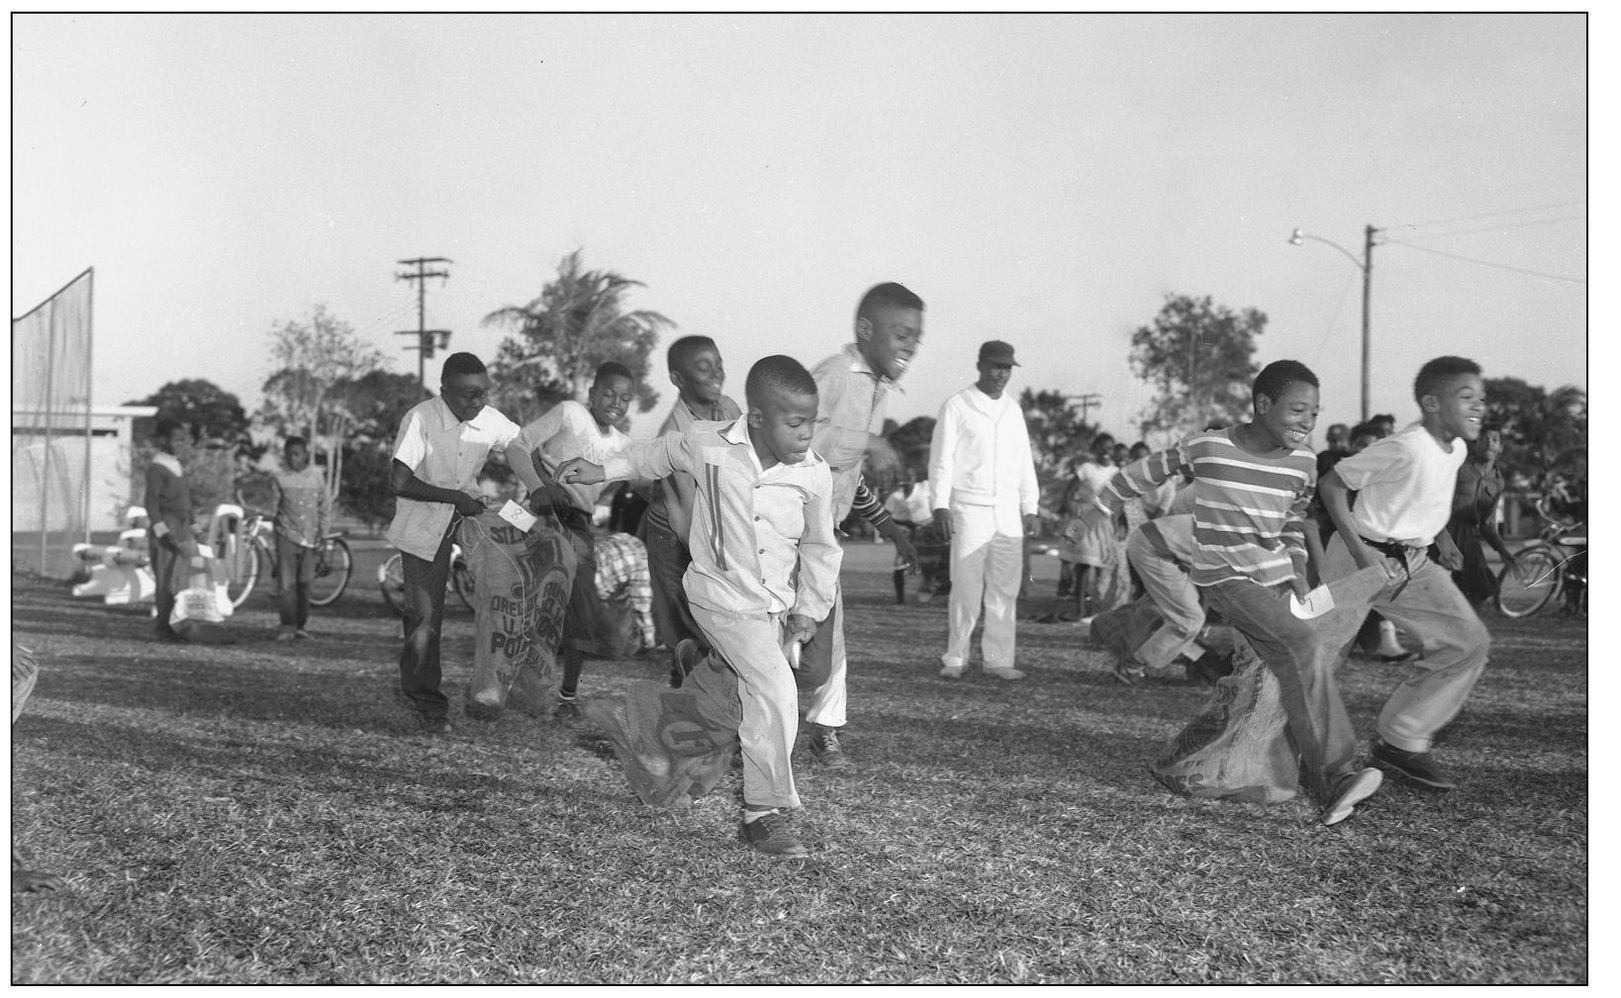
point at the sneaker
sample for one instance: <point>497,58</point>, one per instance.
<point>1420,767</point>
<point>824,746</point>
<point>687,654</point>
<point>1128,677</point>
<point>567,711</point>
<point>1351,790</point>
<point>770,833</point>
<point>1004,673</point>
<point>952,672</point>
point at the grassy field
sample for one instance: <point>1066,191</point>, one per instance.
<point>264,813</point>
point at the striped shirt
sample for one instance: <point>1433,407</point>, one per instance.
<point>666,510</point>
<point>1248,512</point>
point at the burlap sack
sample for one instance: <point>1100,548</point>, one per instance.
<point>519,598</point>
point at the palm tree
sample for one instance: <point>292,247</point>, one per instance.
<point>578,322</point>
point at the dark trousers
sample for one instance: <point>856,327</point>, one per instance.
<point>295,573</point>
<point>424,613</point>
<point>667,561</point>
<point>165,562</point>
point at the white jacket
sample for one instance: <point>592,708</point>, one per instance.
<point>980,455</point>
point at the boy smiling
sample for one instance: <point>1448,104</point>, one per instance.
<point>1404,486</point>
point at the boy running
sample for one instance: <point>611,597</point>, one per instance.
<point>764,570</point>
<point>1253,487</point>
<point>1404,485</point>
<point>568,430</point>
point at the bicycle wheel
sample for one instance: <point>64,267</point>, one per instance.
<point>332,570</point>
<point>391,580</point>
<point>238,589</point>
<point>1528,582</point>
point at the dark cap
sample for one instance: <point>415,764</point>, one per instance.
<point>996,352</point>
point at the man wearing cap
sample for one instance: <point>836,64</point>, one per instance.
<point>983,478</point>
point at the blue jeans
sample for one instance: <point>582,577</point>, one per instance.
<point>1319,727</point>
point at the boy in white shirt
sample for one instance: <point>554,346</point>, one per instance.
<point>983,478</point>
<point>1404,486</point>
<point>438,453</point>
<point>570,430</point>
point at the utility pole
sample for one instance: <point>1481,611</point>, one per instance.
<point>425,337</point>
<point>1367,293</point>
<point>1087,402</point>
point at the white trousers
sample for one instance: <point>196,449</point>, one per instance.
<point>987,560</point>
<point>752,646</point>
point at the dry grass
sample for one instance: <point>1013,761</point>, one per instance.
<point>263,813</point>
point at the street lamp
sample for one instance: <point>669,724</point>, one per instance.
<point>1366,266</point>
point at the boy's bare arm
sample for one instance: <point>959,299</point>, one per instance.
<point>1336,496</point>
<point>403,480</point>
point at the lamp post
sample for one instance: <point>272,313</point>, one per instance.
<point>1366,266</point>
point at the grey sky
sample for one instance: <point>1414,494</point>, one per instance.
<point>1040,179</point>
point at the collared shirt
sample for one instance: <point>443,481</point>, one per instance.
<point>666,510</point>
<point>564,431</point>
<point>444,452</point>
<point>980,454</point>
<point>1248,510</point>
<point>916,508</point>
<point>303,506</point>
<point>1404,485</point>
<point>762,539</point>
<point>850,408</point>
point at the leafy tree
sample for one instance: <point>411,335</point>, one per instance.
<point>911,444</point>
<point>214,414</point>
<point>313,357</point>
<point>1198,356</point>
<point>562,337</point>
<point>1538,426</point>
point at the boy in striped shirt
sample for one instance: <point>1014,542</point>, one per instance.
<point>1254,485</point>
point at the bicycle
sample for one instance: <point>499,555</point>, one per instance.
<point>391,579</point>
<point>1554,566</point>
<point>252,549</point>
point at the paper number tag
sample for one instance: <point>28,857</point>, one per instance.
<point>517,516</point>
<point>1318,602</point>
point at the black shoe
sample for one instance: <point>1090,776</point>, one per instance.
<point>1128,676</point>
<point>1420,767</point>
<point>434,725</point>
<point>1351,790</point>
<point>824,747</point>
<point>771,834</point>
<point>567,711</point>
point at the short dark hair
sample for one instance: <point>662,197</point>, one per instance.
<point>165,427</point>
<point>294,441</point>
<point>1367,429</point>
<point>777,373</point>
<point>1434,373</point>
<point>685,347</point>
<point>1279,375</point>
<point>461,363</point>
<point>1098,439</point>
<point>890,294</point>
<point>613,369</point>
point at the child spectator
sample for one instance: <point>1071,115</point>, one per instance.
<point>567,430</point>
<point>442,445</point>
<point>303,513</point>
<point>1474,517</point>
<point>1096,549</point>
<point>1404,486</point>
<point>170,539</point>
<point>911,507</point>
<point>764,569</point>
<point>698,374</point>
<point>1253,484</point>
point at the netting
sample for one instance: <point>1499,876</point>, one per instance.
<point>50,428</point>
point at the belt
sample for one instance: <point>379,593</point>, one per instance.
<point>1398,551</point>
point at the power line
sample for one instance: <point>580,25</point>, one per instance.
<point>425,336</point>
<point>1502,225</point>
<point>1494,214</point>
<point>1488,263</point>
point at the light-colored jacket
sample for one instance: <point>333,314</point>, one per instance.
<point>762,539</point>
<point>980,454</point>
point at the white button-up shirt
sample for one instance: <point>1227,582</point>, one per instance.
<point>444,452</point>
